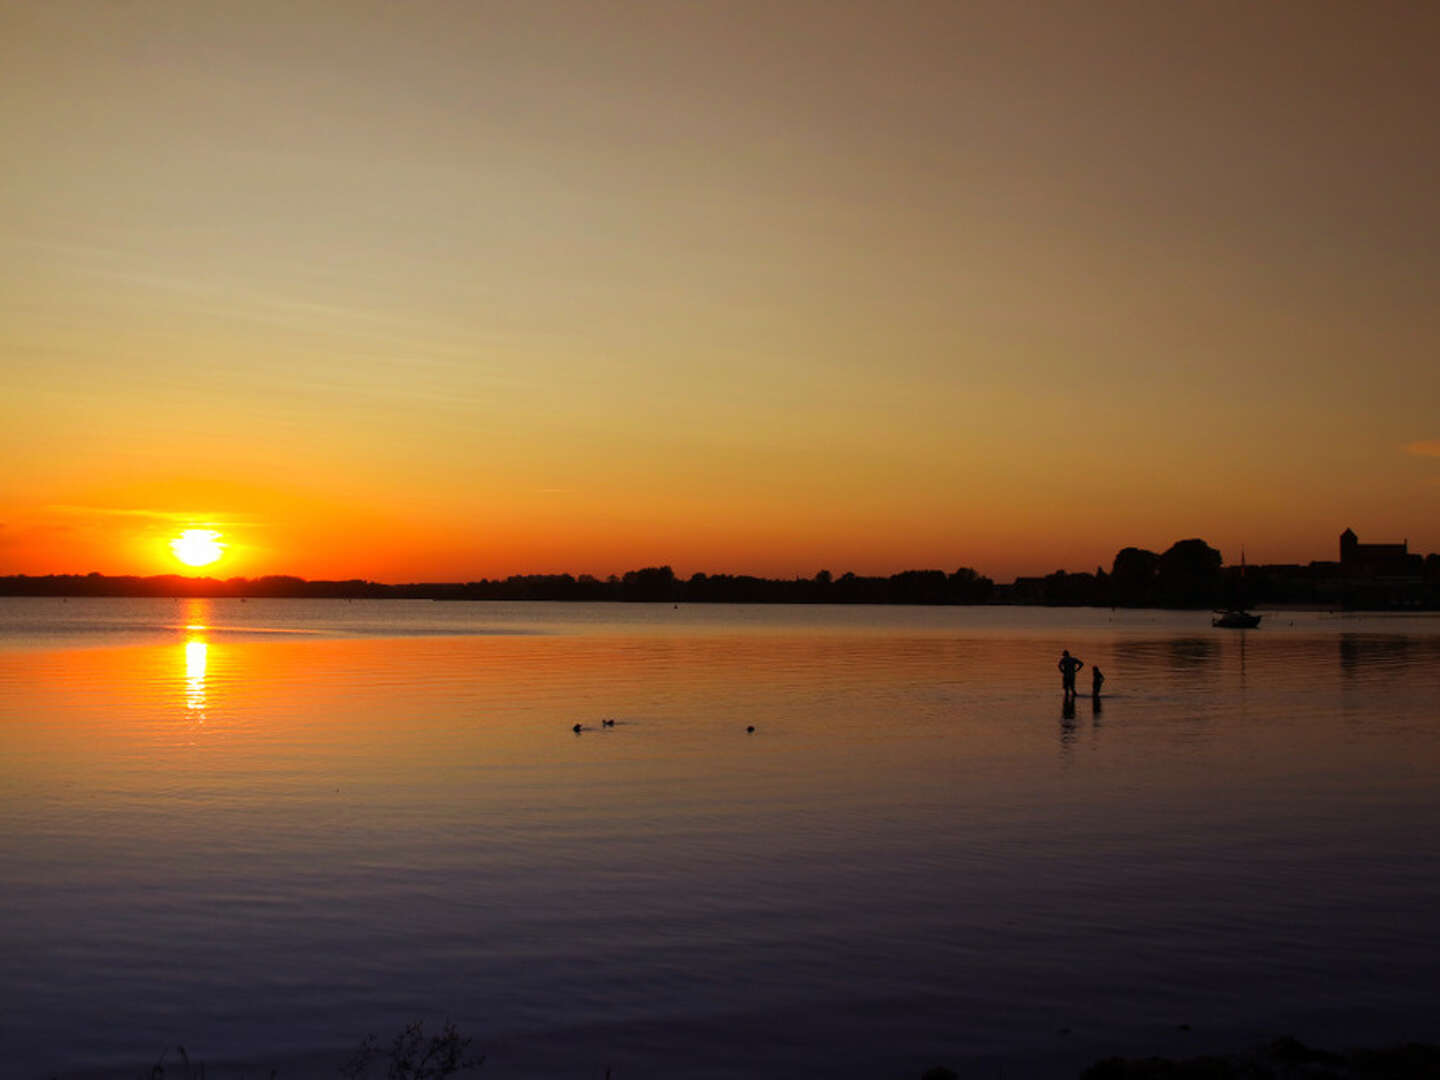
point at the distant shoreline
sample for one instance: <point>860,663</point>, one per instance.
<point>1188,576</point>
<point>897,590</point>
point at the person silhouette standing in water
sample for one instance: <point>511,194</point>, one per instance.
<point>1097,680</point>
<point>1068,666</point>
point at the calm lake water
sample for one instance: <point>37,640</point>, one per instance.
<point>265,829</point>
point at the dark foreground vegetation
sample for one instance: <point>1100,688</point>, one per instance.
<point>1284,1059</point>
<point>413,1055</point>
<point>1188,574</point>
<point>410,1055</point>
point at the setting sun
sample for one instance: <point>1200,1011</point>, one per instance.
<point>197,547</point>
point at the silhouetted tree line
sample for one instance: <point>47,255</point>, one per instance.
<point>964,586</point>
<point>1188,574</point>
<point>650,584</point>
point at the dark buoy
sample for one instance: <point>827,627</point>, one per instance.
<point>577,729</point>
<point>751,729</point>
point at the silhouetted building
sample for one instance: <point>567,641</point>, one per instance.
<point>1359,560</point>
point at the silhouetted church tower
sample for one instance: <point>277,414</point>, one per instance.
<point>1376,560</point>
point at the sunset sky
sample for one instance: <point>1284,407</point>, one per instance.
<point>431,291</point>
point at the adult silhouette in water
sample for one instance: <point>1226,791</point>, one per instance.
<point>1097,680</point>
<point>1068,666</point>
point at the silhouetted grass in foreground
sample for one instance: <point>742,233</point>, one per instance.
<point>411,1055</point>
<point>1283,1059</point>
<point>414,1057</point>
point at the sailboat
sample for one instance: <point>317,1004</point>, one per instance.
<point>1237,618</point>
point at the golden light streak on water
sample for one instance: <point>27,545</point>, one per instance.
<point>195,658</point>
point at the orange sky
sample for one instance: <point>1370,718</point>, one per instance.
<point>452,290</point>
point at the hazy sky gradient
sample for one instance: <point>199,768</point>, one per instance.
<point>456,290</point>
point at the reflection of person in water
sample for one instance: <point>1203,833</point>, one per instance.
<point>1068,666</point>
<point>1097,680</point>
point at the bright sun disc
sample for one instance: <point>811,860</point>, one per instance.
<point>197,547</point>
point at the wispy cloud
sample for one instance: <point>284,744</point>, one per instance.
<point>1424,448</point>
<point>178,516</point>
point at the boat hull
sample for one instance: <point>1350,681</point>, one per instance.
<point>1236,620</point>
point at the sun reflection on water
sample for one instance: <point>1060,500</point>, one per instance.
<point>197,620</point>
<point>195,657</point>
